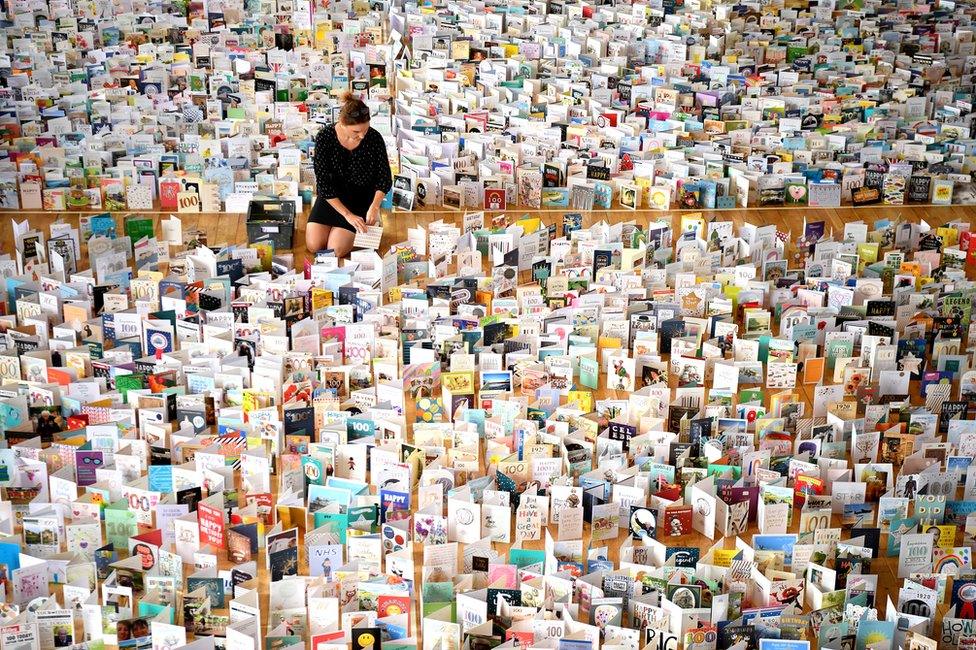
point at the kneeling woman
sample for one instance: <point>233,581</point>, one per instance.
<point>352,175</point>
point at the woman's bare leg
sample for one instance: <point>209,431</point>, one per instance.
<point>340,240</point>
<point>316,237</point>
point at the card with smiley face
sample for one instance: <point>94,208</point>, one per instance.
<point>366,638</point>
<point>390,605</point>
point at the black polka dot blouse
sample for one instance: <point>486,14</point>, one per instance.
<point>337,169</point>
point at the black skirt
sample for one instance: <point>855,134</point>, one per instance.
<point>356,199</point>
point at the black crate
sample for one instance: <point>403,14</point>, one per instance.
<point>271,220</point>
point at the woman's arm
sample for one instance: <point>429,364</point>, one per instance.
<point>383,179</point>
<point>322,167</point>
<point>373,214</point>
<point>339,207</point>
<point>354,220</point>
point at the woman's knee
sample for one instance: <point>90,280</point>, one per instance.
<point>316,240</point>
<point>341,241</point>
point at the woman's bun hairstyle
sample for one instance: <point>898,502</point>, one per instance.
<point>354,110</point>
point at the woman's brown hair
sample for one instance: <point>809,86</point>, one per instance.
<point>353,110</point>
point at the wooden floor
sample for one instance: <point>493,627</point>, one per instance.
<point>230,229</point>
<point>225,228</point>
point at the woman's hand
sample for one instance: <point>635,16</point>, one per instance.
<point>356,222</point>
<point>373,215</point>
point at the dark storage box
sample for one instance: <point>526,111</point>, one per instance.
<point>271,220</point>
